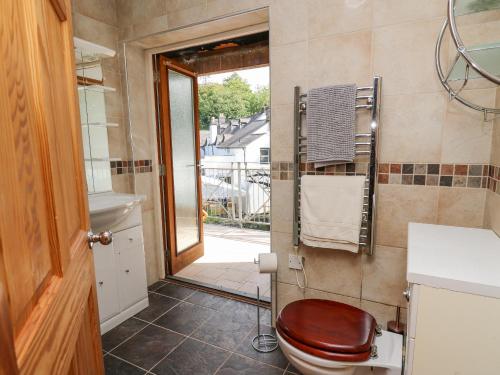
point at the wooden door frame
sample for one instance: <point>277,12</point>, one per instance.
<point>164,140</point>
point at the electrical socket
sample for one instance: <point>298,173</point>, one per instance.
<point>295,261</point>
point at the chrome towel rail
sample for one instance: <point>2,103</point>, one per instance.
<point>366,144</point>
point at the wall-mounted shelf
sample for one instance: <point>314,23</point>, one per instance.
<point>97,159</point>
<point>480,61</point>
<point>97,88</point>
<point>101,124</point>
<point>463,7</point>
<point>486,55</point>
<point>86,51</point>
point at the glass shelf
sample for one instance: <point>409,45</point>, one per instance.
<point>86,51</point>
<point>463,7</point>
<point>486,55</point>
<point>96,88</point>
<point>101,124</point>
<point>97,159</point>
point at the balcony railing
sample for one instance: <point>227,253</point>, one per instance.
<point>237,193</point>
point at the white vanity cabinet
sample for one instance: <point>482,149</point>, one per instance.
<point>120,271</point>
<point>454,301</point>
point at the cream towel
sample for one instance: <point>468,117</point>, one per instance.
<point>331,211</point>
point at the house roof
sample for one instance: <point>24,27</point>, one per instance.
<point>244,136</point>
<point>247,134</point>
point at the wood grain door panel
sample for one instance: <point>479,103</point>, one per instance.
<point>46,267</point>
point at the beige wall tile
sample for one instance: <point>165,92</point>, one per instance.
<point>122,183</point>
<point>148,27</point>
<point>114,103</point>
<point>288,69</point>
<point>282,206</point>
<point>136,62</point>
<point>382,313</point>
<point>118,141</point>
<point>412,132</point>
<point>97,32</point>
<point>403,55</point>
<point>288,293</point>
<point>144,186</point>
<point>389,12</point>
<point>217,8</point>
<point>340,59</point>
<point>103,11</point>
<point>288,20</point>
<point>319,294</point>
<point>384,275</point>
<point>150,248</point>
<point>492,211</point>
<point>173,5</point>
<point>461,207</point>
<point>141,129</point>
<point>187,16</point>
<point>397,205</point>
<point>131,11</point>
<point>282,132</point>
<point>466,136</point>
<point>333,271</point>
<point>327,17</point>
<point>282,245</point>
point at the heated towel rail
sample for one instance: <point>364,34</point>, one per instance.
<point>366,144</point>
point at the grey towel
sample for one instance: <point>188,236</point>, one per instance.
<point>331,120</point>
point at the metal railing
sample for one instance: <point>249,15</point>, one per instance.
<point>236,193</point>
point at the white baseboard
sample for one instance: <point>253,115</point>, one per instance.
<point>124,315</point>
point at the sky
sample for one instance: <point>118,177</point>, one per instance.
<point>256,77</point>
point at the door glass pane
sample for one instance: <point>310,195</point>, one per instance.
<point>184,159</point>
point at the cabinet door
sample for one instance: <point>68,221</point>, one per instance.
<point>129,248</point>
<point>106,283</point>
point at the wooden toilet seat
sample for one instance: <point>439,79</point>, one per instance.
<point>328,329</point>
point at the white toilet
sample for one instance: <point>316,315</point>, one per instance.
<point>321,337</point>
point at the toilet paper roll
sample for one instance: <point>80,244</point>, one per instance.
<point>268,263</point>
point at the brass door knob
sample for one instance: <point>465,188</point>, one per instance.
<point>104,238</point>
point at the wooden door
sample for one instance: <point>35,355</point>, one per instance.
<point>48,305</point>
<point>180,140</point>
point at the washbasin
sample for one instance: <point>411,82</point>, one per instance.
<point>107,210</point>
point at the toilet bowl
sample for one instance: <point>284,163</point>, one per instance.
<point>321,337</point>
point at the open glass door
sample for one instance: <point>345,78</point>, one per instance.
<point>181,157</point>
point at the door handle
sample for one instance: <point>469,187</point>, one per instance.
<point>407,294</point>
<point>104,238</point>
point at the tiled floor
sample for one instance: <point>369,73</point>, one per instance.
<point>185,331</point>
<point>228,260</point>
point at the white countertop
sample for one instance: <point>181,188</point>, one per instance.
<point>101,202</point>
<point>455,258</point>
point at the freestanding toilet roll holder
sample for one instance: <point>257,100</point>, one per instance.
<point>263,342</point>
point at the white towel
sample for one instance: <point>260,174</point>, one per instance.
<point>331,211</point>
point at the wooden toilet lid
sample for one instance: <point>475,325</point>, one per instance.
<point>328,326</point>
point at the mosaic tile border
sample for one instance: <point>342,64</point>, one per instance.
<point>424,174</point>
<point>284,170</point>
<point>450,175</point>
<point>131,166</point>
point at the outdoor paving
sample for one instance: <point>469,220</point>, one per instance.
<point>228,260</point>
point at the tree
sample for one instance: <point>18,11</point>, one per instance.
<point>234,98</point>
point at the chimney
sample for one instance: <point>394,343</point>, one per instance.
<point>222,119</point>
<point>214,130</point>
